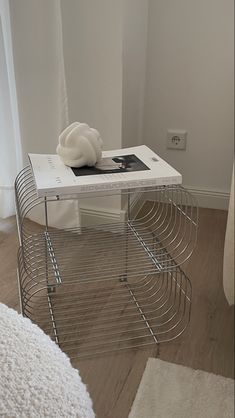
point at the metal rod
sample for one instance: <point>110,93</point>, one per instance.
<point>148,251</point>
<point>52,319</point>
<point>53,258</point>
<point>143,315</point>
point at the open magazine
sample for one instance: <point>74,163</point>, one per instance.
<point>118,169</point>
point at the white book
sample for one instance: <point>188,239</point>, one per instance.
<point>125,168</point>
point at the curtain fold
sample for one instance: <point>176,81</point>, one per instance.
<point>34,105</point>
<point>10,143</point>
<point>228,268</point>
<point>39,72</point>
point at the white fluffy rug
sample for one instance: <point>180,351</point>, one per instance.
<point>168,390</point>
<point>36,378</point>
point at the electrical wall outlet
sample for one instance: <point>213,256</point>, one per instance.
<point>176,139</point>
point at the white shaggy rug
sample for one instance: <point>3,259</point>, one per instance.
<point>168,390</point>
<point>36,377</point>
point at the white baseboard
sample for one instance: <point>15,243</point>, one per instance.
<point>214,199</point>
<point>99,216</point>
<point>93,216</point>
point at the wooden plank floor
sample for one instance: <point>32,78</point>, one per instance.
<point>208,343</point>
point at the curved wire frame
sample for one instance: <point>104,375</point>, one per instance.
<point>158,238</point>
<point>88,319</point>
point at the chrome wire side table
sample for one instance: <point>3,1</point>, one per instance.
<point>109,286</point>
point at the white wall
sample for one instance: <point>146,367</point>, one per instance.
<point>105,46</point>
<point>138,67</point>
<point>189,85</point>
<point>92,37</point>
<point>92,32</point>
<point>135,23</point>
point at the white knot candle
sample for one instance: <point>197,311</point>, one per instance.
<point>79,145</point>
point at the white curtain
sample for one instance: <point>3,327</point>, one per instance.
<point>33,99</point>
<point>228,270</point>
<point>10,144</point>
<point>39,72</point>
